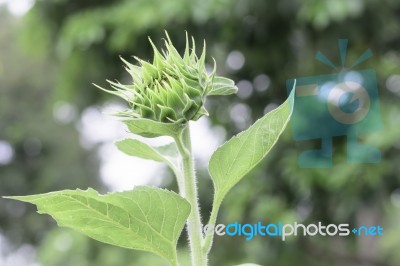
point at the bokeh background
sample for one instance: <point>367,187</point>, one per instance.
<point>55,131</point>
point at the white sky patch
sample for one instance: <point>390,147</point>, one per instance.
<point>205,139</point>
<point>235,60</point>
<point>24,255</point>
<point>64,112</point>
<point>97,126</point>
<point>18,7</point>
<point>6,152</point>
<point>122,172</point>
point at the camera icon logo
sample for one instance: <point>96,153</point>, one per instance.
<point>341,104</point>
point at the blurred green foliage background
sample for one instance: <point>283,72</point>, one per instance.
<point>50,56</point>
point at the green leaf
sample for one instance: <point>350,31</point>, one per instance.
<point>134,147</point>
<point>234,159</point>
<point>222,86</point>
<point>145,218</point>
<point>151,129</point>
<point>167,153</point>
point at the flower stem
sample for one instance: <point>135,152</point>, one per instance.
<point>190,193</point>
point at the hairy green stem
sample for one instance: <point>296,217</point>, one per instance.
<point>175,261</point>
<point>208,240</point>
<point>190,193</point>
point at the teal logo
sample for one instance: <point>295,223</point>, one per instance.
<point>341,104</point>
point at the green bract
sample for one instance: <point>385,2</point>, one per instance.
<point>173,88</point>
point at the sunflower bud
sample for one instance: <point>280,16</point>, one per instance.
<point>173,88</point>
